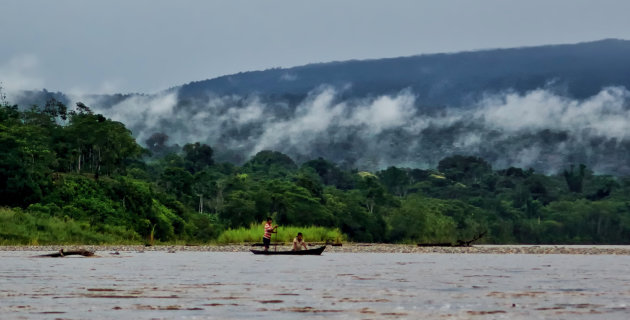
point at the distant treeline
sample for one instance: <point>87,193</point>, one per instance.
<point>70,167</point>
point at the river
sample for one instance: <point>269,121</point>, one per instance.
<point>219,285</point>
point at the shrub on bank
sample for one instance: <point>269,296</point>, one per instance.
<point>18,227</point>
<point>254,234</point>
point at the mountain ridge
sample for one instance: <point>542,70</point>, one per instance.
<point>280,81</point>
<point>543,107</point>
<point>433,77</point>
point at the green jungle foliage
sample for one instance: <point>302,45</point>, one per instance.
<point>72,176</point>
<point>20,228</point>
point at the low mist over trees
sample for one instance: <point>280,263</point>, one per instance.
<point>84,170</point>
<point>541,107</point>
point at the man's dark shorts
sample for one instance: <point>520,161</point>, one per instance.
<point>266,241</point>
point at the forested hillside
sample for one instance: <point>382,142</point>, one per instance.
<point>541,107</point>
<point>72,175</point>
<point>455,79</point>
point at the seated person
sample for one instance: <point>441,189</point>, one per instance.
<point>298,242</point>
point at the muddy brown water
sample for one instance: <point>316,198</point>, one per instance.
<point>220,285</point>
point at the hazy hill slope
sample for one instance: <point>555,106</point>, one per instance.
<point>449,79</point>
<point>577,70</point>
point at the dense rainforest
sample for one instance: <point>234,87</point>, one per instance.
<point>68,173</point>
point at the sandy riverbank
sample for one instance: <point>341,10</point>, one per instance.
<point>352,248</point>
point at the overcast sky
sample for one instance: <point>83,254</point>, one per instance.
<point>146,46</point>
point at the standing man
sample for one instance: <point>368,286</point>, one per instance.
<point>268,231</point>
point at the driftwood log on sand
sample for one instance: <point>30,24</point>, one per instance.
<point>61,253</point>
<point>460,243</point>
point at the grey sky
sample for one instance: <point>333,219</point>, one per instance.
<point>146,46</point>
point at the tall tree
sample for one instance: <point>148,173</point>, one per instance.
<point>574,178</point>
<point>197,156</point>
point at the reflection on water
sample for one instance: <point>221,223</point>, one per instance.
<point>199,285</point>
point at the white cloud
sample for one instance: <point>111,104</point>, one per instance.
<point>312,117</point>
<point>251,113</point>
<point>385,112</point>
<point>140,112</point>
<point>604,114</point>
<point>531,129</point>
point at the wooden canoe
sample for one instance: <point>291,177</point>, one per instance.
<point>309,252</point>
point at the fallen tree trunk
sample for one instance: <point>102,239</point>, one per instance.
<point>61,253</point>
<point>459,243</point>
